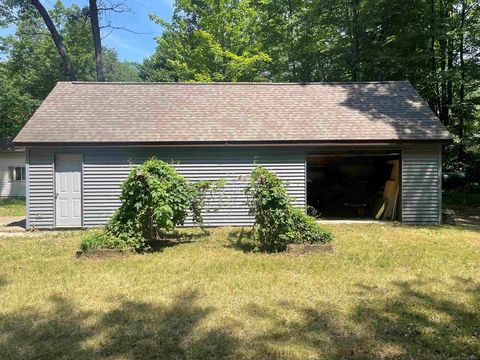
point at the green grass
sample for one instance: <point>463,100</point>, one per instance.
<point>387,292</point>
<point>12,207</point>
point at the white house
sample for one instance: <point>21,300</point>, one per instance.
<point>12,169</point>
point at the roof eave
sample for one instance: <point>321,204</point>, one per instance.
<point>443,141</point>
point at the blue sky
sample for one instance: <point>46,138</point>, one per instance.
<point>130,46</point>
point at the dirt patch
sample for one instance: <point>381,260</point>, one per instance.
<point>301,249</point>
<point>104,253</point>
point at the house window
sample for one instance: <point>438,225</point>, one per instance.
<point>17,173</point>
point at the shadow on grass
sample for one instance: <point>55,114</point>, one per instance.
<point>412,324</point>
<point>133,330</point>
<point>404,322</point>
<point>162,244</point>
<point>465,225</point>
<point>171,239</point>
<point>242,239</point>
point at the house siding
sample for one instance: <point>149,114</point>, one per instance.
<point>40,184</point>
<point>104,170</point>
<point>9,188</point>
<point>421,185</point>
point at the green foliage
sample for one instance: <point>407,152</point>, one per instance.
<point>155,199</point>
<point>461,199</point>
<point>213,40</point>
<point>270,205</point>
<point>331,40</point>
<point>104,240</point>
<point>30,65</point>
<point>306,229</point>
<point>277,222</point>
<point>116,70</point>
<point>198,194</point>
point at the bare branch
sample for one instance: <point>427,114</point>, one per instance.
<point>120,7</point>
<point>114,9</point>
<point>105,36</point>
<point>109,26</point>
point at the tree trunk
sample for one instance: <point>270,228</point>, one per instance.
<point>461,125</point>
<point>67,65</point>
<point>449,75</point>
<point>97,41</point>
<point>293,58</point>
<point>444,111</point>
<point>355,40</point>
<point>435,102</point>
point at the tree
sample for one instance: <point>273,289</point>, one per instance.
<point>11,7</point>
<point>30,66</point>
<point>97,42</point>
<point>212,40</point>
<point>116,70</point>
<point>56,39</point>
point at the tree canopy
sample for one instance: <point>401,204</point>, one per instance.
<point>30,66</point>
<point>435,44</point>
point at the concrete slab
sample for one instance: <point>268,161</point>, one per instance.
<point>354,221</point>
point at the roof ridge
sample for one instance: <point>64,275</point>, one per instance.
<point>324,83</point>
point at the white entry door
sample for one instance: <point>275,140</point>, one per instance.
<point>68,180</point>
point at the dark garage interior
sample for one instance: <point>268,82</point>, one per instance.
<point>353,185</point>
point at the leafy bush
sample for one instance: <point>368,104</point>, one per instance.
<point>307,230</point>
<point>458,198</point>
<point>270,205</point>
<point>277,222</point>
<point>105,240</point>
<point>155,199</point>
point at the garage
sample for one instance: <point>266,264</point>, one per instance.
<point>354,184</point>
<point>347,150</point>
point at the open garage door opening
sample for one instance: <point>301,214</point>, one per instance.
<point>354,185</point>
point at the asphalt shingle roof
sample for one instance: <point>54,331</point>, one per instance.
<point>82,112</point>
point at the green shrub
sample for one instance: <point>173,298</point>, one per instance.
<point>458,198</point>
<point>269,204</point>
<point>307,230</point>
<point>100,239</point>
<point>277,222</point>
<point>155,199</point>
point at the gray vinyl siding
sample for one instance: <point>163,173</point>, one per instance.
<point>40,193</point>
<point>105,170</point>
<point>421,185</point>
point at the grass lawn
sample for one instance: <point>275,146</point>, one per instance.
<point>388,292</point>
<point>12,207</point>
